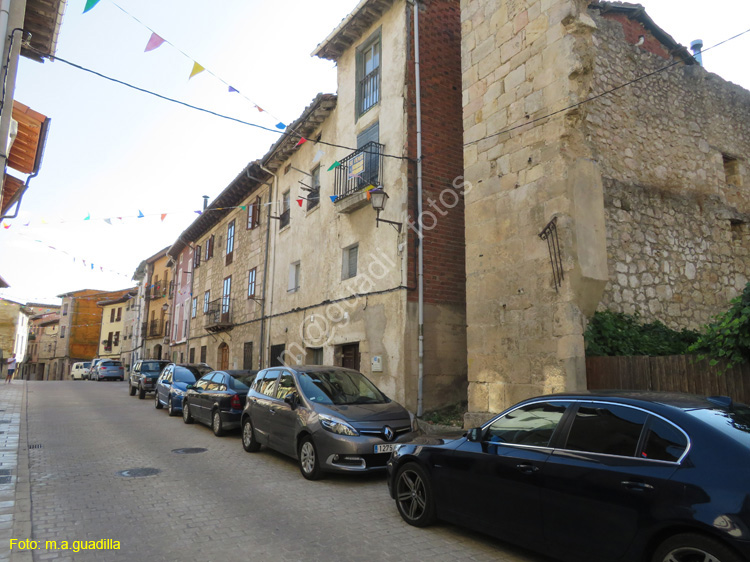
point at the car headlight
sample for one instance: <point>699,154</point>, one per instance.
<point>335,425</point>
<point>414,422</point>
<point>178,392</point>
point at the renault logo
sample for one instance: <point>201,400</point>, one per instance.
<point>388,433</point>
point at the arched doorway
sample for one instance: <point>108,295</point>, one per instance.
<point>157,351</point>
<point>223,357</point>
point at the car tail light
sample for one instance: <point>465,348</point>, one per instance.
<point>235,403</point>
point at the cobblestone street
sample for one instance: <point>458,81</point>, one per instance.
<point>221,504</point>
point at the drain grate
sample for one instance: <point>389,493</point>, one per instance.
<point>5,472</point>
<point>138,472</point>
<point>189,450</point>
<point>35,446</point>
<point>4,421</point>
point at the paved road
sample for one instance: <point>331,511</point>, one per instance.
<point>222,504</point>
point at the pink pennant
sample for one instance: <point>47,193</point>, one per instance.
<point>259,108</point>
<point>153,43</point>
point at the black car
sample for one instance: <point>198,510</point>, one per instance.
<point>217,399</point>
<point>143,376</point>
<point>173,382</point>
<point>630,476</point>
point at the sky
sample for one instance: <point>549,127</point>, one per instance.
<point>115,153</point>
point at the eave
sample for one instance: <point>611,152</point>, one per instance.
<point>351,29</point>
<point>41,26</point>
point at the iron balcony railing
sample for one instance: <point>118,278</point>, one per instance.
<point>369,90</point>
<point>362,168</point>
<point>219,314</point>
<point>155,329</point>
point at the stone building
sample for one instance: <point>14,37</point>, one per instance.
<point>112,334</point>
<point>42,365</point>
<point>158,292</point>
<point>79,327</point>
<point>606,170</point>
<point>313,278</point>
<point>180,309</point>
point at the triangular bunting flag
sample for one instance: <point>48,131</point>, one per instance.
<point>243,207</point>
<point>259,108</point>
<point>280,126</point>
<point>6,226</point>
<point>108,221</point>
<point>199,212</point>
<point>336,164</point>
<point>140,214</point>
<point>88,217</point>
<point>233,90</point>
<point>90,4</point>
<point>302,140</point>
<point>300,201</point>
<point>153,43</point>
<point>197,69</point>
<point>318,156</point>
<point>333,198</point>
<point>163,216</point>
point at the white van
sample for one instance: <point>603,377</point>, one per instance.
<point>80,371</point>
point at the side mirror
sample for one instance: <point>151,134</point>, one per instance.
<point>292,399</point>
<point>166,383</point>
<point>190,387</point>
<point>474,435</point>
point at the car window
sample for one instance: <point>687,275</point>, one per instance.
<point>181,374</point>
<point>531,425</point>
<point>152,366</point>
<point>241,382</point>
<point>340,387</point>
<point>606,428</point>
<point>285,386</point>
<point>86,365</point>
<point>734,421</point>
<point>664,442</point>
<point>266,381</point>
<point>203,383</point>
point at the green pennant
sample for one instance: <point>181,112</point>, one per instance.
<point>336,164</point>
<point>90,4</point>
<point>243,207</point>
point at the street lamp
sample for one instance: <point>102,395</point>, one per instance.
<point>378,199</point>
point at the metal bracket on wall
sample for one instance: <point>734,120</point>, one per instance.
<point>549,233</point>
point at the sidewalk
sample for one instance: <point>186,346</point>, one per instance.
<point>15,505</point>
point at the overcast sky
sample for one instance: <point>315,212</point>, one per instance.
<point>116,152</point>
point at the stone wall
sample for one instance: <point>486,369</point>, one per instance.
<point>673,152</point>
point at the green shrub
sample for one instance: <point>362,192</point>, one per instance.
<point>617,333</point>
<point>727,339</point>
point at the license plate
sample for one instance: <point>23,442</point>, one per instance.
<point>387,448</point>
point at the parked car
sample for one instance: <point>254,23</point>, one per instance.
<point>173,382</point>
<point>80,370</point>
<point>92,369</point>
<point>629,476</point>
<point>143,376</point>
<point>109,370</point>
<point>217,399</point>
<point>328,418</point>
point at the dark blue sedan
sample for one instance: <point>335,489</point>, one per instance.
<point>603,477</point>
<point>217,399</point>
<point>173,383</point>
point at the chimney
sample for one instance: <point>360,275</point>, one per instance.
<point>205,202</point>
<point>697,48</point>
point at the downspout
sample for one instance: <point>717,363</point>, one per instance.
<point>420,251</point>
<point>265,271</point>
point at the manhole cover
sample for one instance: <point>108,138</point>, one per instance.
<point>6,479</point>
<point>5,472</point>
<point>4,421</point>
<point>35,446</point>
<point>189,450</point>
<point>138,472</point>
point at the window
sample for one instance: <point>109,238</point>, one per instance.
<point>116,340</point>
<point>664,442</point>
<point>226,295</point>
<point>284,210</point>
<point>251,284</point>
<point>194,310</point>
<point>253,213</point>
<point>247,355</point>
<point>366,165</point>
<point>285,386</point>
<point>368,74</point>
<point>119,314</point>
<point>230,243</point>
<point>531,425</point>
<point>203,354</point>
<point>65,309</point>
<point>206,300</point>
<point>315,356</point>
<point>732,170</point>
<point>313,197</point>
<point>62,331</point>
<point>294,270</point>
<point>197,257</point>
<point>192,355</point>
<point>606,429</point>
<point>266,384</point>
<point>209,248</point>
<point>349,262</point>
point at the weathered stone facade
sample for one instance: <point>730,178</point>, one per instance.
<point>645,185</point>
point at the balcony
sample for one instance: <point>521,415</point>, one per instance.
<point>155,329</point>
<point>218,317</point>
<point>361,169</point>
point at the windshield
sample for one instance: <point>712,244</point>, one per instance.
<point>339,387</point>
<point>183,374</point>
<point>241,382</point>
<point>152,366</point>
<point>733,422</point>
<point>87,365</point>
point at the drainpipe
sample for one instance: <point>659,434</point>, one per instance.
<point>420,251</point>
<point>265,272</point>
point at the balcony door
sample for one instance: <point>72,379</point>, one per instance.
<point>225,302</point>
<point>370,157</point>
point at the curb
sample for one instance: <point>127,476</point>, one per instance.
<point>22,515</point>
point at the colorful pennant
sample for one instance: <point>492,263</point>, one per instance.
<point>90,4</point>
<point>153,43</point>
<point>197,69</point>
<point>335,165</point>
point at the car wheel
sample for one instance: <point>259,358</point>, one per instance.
<point>157,404</point>
<point>141,392</point>
<point>249,443</point>
<point>308,459</point>
<point>414,498</point>
<point>131,389</point>
<point>690,547</point>
<point>186,417</point>
<point>170,407</point>
<point>216,424</point>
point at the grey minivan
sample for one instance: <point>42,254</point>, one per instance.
<point>330,419</point>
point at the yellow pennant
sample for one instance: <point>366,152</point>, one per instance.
<point>197,69</point>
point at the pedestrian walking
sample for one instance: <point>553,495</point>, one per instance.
<point>11,368</point>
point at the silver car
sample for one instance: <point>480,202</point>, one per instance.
<point>330,419</point>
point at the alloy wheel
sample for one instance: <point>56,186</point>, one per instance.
<point>410,494</point>
<point>690,554</point>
